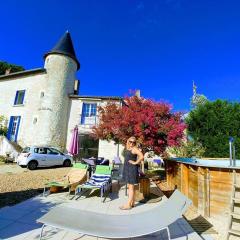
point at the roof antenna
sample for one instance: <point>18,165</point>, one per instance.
<point>194,89</point>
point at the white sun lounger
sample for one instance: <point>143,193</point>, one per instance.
<point>118,226</point>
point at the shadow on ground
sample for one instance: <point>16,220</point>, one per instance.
<point>21,219</point>
<point>201,225</point>
<point>12,198</point>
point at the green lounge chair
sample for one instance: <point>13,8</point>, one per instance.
<point>77,175</point>
<point>101,179</point>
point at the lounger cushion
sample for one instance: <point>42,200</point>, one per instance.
<point>97,180</point>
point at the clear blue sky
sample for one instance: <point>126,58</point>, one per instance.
<point>156,46</point>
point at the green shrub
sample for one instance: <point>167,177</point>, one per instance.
<point>212,123</point>
<point>3,128</point>
<point>2,159</point>
<point>3,131</point>
<point>188,149</point>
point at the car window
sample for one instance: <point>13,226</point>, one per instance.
<point>26,150</point>
<point>52,151</point>
<point>42,150</point>
<point>36,150</point>
<point>56,150</point>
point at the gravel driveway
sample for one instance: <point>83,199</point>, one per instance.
<point>13,168</point>
<point>18,184</point>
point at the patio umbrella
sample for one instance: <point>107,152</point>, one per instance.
<point>73,148</point>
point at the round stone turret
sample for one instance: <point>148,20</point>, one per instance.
<point>61,65</point>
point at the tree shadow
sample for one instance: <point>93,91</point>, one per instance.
<point>21,219</point>
<point>52,167</point>
<point>12,198</point>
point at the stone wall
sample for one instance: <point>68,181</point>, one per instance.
<point>7,147</point>
<point>33,86</point>
<point>109,150</point>
<point>46,107</point>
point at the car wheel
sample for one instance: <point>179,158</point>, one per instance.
<point>32,165</point>
<point>67,163</point>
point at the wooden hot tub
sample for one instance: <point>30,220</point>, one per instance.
<point>208,183</point>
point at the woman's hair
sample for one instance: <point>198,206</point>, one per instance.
<point>133,139</point>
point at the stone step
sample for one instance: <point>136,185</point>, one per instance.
<point>235,215</point>
<point>235,232</point>
<point>236,200</point>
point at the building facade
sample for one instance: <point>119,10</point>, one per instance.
<point>84,113</point>
<point>43,106</point>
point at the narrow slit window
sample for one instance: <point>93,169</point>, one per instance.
<point>19,97</point>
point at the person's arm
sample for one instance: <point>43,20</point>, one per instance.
<point>140,157</point>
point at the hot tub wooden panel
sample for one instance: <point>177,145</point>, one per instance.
<point>193,185</point>
<point>209,188</point>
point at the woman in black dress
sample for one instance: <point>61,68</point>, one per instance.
<point>132,158</point>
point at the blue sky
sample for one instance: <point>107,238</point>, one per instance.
<point>159,47</point>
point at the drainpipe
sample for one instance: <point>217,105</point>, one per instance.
<point>234,156</point>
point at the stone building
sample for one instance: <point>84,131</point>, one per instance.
<point>83,112</point>
<point>43,106</point>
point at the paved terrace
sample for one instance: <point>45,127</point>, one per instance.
<point>19,222</point>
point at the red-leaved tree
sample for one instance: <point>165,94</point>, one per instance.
<point>152,123</point>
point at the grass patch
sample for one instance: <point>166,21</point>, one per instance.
<point>159,172</point>
<point>2,159</point>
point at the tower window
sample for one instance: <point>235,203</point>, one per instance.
<point>19,97</point>
<point>41,94</point>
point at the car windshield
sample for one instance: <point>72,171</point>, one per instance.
<point>26,150</point>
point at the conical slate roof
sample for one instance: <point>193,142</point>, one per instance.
<point>65,47</point>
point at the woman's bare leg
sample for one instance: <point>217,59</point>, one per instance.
<point>131,198</point>
<point>131,195</point>
<point>134,193</point>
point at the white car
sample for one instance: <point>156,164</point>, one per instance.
<point>33,157</point>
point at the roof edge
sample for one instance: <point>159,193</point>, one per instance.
<point>95,97</point>
<point>65,54</point>
<point>22,73</point>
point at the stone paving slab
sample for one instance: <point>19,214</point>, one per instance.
<point>19,222</point>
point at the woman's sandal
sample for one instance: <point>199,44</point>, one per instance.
<point>125,208</point>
